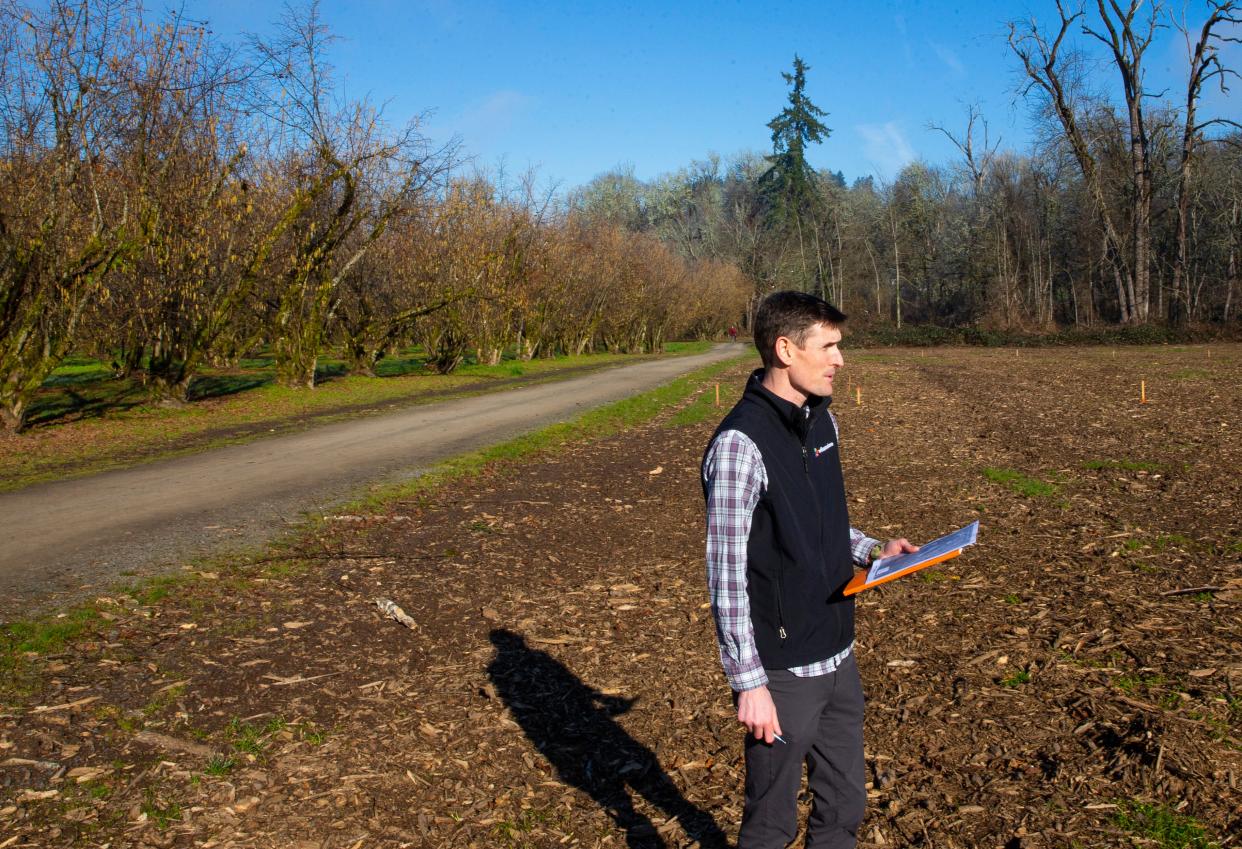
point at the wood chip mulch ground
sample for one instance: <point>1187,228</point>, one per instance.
<point>1074,680</point>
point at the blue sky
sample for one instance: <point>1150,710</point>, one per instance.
<point>575,89</point>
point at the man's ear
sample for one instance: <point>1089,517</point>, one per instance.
<point>784,356</point>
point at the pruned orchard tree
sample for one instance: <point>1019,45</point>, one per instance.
<point>70,212</point>
<point>187,158</point>
<point>346,174</point>
<point>384,295</point>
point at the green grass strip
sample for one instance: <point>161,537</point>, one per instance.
<point>120,427</point>
<point>1165,828</point>
<point>1020,483</point>
<point>595,424</point>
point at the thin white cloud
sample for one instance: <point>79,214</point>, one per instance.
<point>899,22</point>
<point>949,58</point>
<point>493,115</point>
<point>885,147</point>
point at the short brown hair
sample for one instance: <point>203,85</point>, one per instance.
<point>792,315</point>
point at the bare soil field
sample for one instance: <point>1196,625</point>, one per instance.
<point>1073,680</point>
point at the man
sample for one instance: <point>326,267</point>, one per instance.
<point>780,550</point>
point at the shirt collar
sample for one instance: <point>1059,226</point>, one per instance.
<point>794,416</point>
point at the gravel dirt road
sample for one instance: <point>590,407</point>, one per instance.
<point>68,538</point>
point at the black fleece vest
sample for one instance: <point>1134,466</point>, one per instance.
<point>798,554</point>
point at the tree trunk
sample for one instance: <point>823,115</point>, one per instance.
<point>1043,71</point>
<point>1204,65</point>
<point>12,413</point>
<point>1128,47</point>
<point>1123,302</point>
<point>875,270</point>
<point>1232,273</point>
<point>170,388</point>
<point>129,361</point>
<point>1140,163</point>
<point>896,274</point>
<point>528,349</point>
<point>360,358</point>
<point>297,372</point>
<point>1073,287</point>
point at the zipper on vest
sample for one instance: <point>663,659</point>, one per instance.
<point>780,590</point>
<point>806,468</point>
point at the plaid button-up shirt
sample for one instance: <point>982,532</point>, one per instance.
<point>734,473</point>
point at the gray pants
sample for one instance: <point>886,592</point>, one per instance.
<point>822,721</point>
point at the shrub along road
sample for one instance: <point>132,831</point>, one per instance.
<point>64,538</point>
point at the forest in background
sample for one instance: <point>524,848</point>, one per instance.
<point>1127,211</point>
<point>170,200</point>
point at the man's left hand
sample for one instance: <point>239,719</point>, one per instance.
<point>898,546</point>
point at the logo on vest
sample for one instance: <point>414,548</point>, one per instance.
<point>821,449</point>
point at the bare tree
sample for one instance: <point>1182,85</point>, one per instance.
<point>187,154</point>
<point>1045,66</point>
<point>1128,40</point>
<point>1205,67</point>
<point>978,165</point>
<point>347,175</point>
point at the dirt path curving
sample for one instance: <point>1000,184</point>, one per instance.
<point>65,538</point>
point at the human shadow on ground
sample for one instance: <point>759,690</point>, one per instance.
<point>572,725</point>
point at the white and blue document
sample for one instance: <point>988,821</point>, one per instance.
<point>889,567</point>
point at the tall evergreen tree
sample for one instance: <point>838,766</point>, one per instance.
<point>790,181</point>
<point>790,184</point>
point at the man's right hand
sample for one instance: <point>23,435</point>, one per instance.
<point>757,712</point>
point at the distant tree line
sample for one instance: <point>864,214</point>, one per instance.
<point>1128,211</point>
<point>172,201</point>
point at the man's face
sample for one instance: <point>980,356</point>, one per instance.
<point>814,363</point>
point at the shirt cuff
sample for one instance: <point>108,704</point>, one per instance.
<point>861,548</point>
<point>748,679</point>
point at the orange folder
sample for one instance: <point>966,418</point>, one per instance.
<point>859,581</point>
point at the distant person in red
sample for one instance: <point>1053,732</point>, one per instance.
<point>732,333</point>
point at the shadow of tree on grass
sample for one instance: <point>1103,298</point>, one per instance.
<point>63,404</point>
<point>222,385</point>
